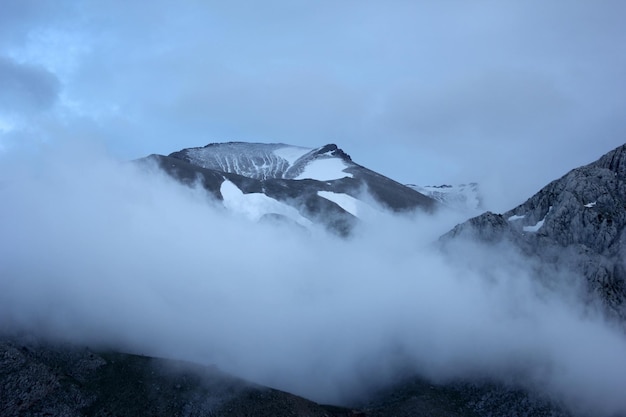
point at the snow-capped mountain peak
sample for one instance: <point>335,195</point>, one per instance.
<point>270,160</point>
<point>304,185</point>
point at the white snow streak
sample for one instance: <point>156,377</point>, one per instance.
<point>516,217</point>
<point>255,205</point>
<point>325,170</point>
<point>291,153</point>
<point>350,204</point>
<point>538,225</point>
<point>535,227</point>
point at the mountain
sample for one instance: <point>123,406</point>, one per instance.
<point>44,379</point>
<point>463,197</point>
<point>270,161</point>
<point>300,185</point>
<point>575,224</point>
<point>50,379</point>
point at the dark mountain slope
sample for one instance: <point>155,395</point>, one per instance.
<point>261,162</point>
<point>44,379</point>
<point>301,194</point>
<point>53,380</point>
<point>298,181</point>
<point>576,223</point>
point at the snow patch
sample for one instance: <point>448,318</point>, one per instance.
<point>255,205</point>
<point>350,204</point>
<point>324,170</point>
<point>516,217</point>
<point>291,153</point>
<point>535,227</point>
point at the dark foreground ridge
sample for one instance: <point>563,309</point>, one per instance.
<point>43,379</point>
<point>51,380</point>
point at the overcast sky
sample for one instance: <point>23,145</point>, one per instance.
<point>511,94</point>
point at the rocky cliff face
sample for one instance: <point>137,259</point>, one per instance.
<point>576,223</point>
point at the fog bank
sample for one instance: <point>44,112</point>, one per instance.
<point>106,253</point>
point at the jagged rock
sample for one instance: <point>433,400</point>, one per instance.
<point>488,227</point>
<point>576,223</point>
<point>260,161</point>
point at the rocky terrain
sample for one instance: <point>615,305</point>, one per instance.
<point>323,185</point>
<point>43,379</point>
<point>575,224</point>
<point>50,379</point>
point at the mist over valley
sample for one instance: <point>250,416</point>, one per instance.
<point>123,256</point>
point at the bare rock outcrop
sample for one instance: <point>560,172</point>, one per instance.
<point>576,224</point>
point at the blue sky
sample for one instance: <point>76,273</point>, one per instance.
<point>510,94</point>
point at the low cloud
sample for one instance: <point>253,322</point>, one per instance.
<point>110,254</point>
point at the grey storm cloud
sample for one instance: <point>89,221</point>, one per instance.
<point>26,88</point>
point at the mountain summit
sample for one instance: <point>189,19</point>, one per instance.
<point>264,161</point>
<point>301,185</point>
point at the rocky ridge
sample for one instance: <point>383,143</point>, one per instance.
<point>47,379</point>
<point>50,379</point>
<point>260,160</point>
<point>576,223</point>
<point>321,184</point>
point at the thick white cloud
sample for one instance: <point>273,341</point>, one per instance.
<point>101,252</point>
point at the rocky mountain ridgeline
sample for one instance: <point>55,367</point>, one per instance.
<point>576,223</point>
<point>320,183</point>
